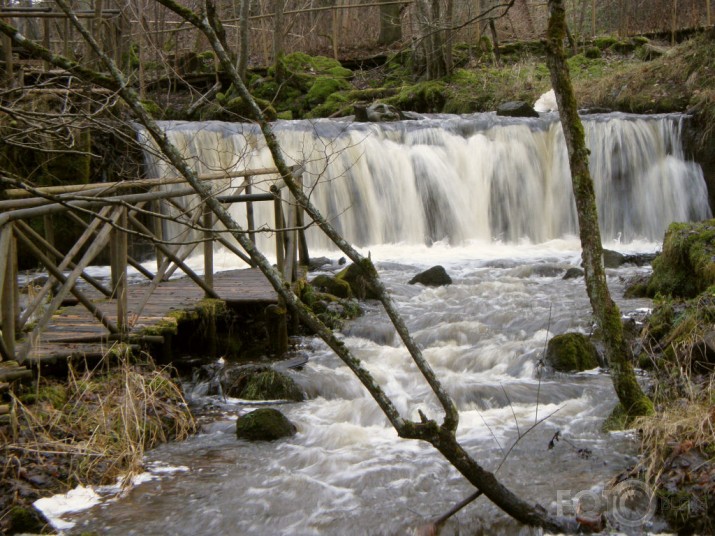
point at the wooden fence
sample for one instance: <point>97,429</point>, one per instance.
<point>117,212</point>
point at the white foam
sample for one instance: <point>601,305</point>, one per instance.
<point>75,500</point>
<point>547,102</point>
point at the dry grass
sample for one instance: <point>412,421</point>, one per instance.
<point>99,423</point>
<point>678,442</point>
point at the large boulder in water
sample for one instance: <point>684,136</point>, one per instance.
<point>332,285</point>
<point>377,113</point>
<point>252,382</point>
<point>436,276</point>
<point>516,109</point>
<point>571,352</point>
<point>264,424</point>
<point>360,285</point>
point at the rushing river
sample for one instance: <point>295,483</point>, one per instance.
<point>490,200</point>
<point>347,472</point>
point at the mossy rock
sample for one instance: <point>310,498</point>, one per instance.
<point>424,97</point>
<point>360,285</point>
<point>260,383</point>
<point>332,285</point>
<point>605,42</point>
<point>571,352</point>
<point>264,424</point>
<point>25,520</point>
<point>592,53</point>
<point>152,108</point>
<point>238,107</point>
<point>686,266</point>
<point>323,87</point>
<point>337,104</point>
<point>301,63</point>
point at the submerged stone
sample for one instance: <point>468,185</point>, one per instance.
<point>571,352</point>
<point>264,424</point>
<point>436,276</point>
<point>573,273</point>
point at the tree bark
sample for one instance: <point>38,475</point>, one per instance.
<point>606,312</point>
<point>278,50</point>
<point>243,39</point>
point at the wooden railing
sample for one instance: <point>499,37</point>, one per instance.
<point>119,211</point>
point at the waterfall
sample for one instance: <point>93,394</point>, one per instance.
<point>462,178</point>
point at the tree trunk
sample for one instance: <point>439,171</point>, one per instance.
<point>608,317</point>
<point>390,23</point>
<point>278,40</point>
<point>429,58</point>
<point>243,51</point>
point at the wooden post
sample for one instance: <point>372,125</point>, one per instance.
<point>7,286</point>
<point>118,253</point>
<point>49,230</point>
<point>208,223</point>
<point>158,229</point>
<point>250,221</point>
<point>303,255</point>
<point>278,218</point>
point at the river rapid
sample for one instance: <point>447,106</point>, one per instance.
<point>490,200</point>
<point>347,472</point>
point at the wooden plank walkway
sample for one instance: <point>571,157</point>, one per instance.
<point>71,328</point>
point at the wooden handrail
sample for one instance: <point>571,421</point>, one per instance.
<point>110,187</point>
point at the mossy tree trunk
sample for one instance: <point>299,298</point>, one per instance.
<point>606,312</point>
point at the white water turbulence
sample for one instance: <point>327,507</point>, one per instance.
<point>462,178</point>
<point>490,200</point>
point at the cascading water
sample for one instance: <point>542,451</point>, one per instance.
<point>490,200</point>
<point>459,179</point>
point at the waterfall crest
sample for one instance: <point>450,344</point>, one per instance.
<point>458,179</point>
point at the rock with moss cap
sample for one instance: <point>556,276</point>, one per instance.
<point>252,382</point>
<point>571,352</point>
<point>360,285</point>
<point>264,424</point>
<point>686,266</point>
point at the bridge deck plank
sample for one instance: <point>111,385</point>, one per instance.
<point>235,287</point>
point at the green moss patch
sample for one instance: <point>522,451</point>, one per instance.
<point>687,264</point>
<point>264,424</point>
<point>571,352</point>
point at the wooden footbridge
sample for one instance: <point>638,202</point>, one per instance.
<point>69,313</point>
